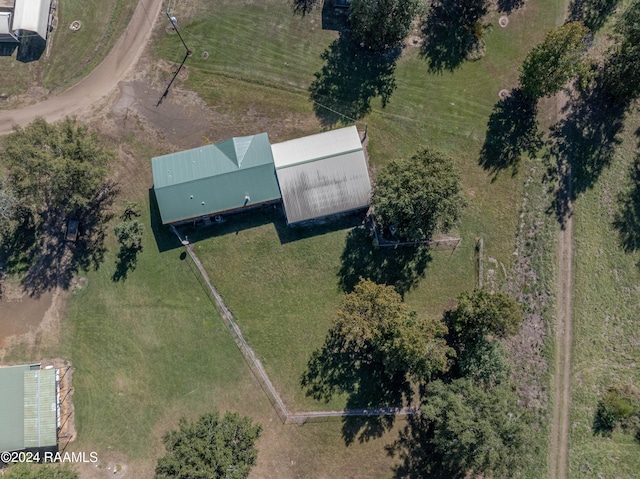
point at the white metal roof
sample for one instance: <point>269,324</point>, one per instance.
<point>5,23</point>
<point>314,147</point>
<point>322,175</point>
<point>32,16</point>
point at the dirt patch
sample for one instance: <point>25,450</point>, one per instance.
<point>31,323</point>
<point>20,313</point>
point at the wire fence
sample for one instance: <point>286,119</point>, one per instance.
<point>261,375</point>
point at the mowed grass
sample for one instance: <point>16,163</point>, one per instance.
<point>606,333</point>
<point>261,61</point>
<point>71,54</point>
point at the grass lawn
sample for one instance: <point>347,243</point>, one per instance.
<point>72,54</point>
<point>606,334</point>
<point>261,60</point>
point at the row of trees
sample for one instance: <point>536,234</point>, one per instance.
<point>470,422</point>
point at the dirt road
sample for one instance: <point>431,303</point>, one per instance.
<point>560,421</point>
<point>98,83</point>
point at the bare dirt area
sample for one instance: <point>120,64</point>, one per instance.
<point>29,322</point>
<point>19,313</point>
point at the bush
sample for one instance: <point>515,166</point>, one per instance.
<point>618,405</point>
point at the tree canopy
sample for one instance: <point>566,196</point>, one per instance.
<point>419,196</point>
<point>621,69</point>
<point>480,313</point>
<point>211,447</point>
<point>381,24</point>
<point>56,172</point>
<point>39,471</point>
<point>555,61</point>
<point>8,208</point>
<point>376,344</point>
<point>373,319</point>
<point>485,362</point>
<point>475,432</point>
<point>55,166</point>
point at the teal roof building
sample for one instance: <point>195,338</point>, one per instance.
<point>214,179</point>
<point>28,408</point>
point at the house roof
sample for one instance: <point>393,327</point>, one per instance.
<point>323,174</point>
<point>32,16</point>
<point>215,178</point>
<point>28,405</point>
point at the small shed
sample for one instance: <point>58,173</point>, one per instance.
<point>322,174</point>
<point>215,179</point>
<point>28,401</point>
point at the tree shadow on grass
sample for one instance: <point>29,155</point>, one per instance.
<point>336,369</point>
<point>508,6</point>
<point>593,13</point>
<point>585,140</point>
<point>416,460</point>
<point>351,77</point>
<point>627,218</point>
<point>401,267</point>
<point>126,262</point>
<point>512,131</point>
<point>55,260</point>
<point>447,35</point>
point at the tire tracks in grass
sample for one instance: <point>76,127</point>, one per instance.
<point>562,380</point>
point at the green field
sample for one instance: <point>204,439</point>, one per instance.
<point>71,54</point>
<point>606,307</point>
<point>152,348</point>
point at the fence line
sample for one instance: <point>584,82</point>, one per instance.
<point>382,242</point>
<point>256,366</point>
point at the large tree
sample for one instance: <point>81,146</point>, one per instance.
<point>621,68</point>
<point>374,320</point>
<point>55,167</point>
<point>382,24</point>
<point>475,432</point>
<point>419,196</point>
<point>375,347</point>
<point>555,61</point>
<point>211,447</point>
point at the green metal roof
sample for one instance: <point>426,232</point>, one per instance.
<point>18,395</point>
<point>40,410</point>
<point>215,178</point>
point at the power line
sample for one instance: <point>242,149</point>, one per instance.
<point>188,52</point>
